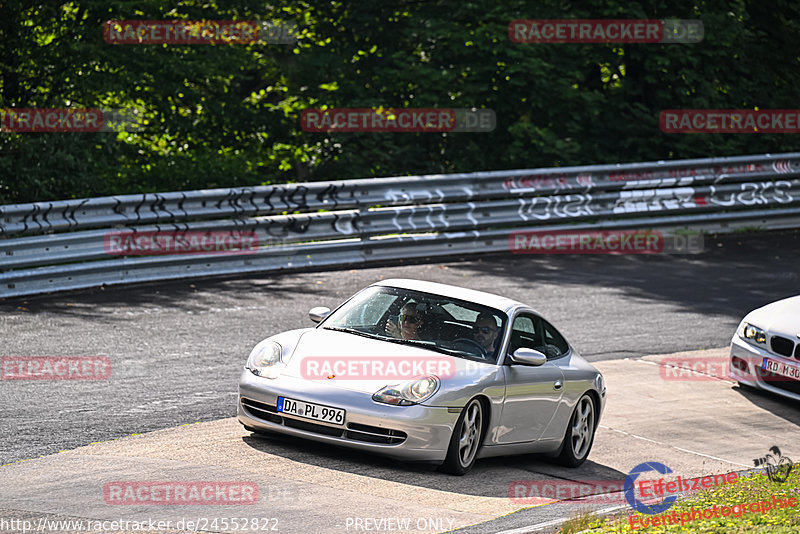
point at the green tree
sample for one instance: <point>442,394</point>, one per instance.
<point>229,115</point>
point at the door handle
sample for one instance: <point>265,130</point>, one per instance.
<point>558,384</point>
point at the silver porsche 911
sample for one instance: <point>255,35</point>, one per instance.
<point>426,372</point>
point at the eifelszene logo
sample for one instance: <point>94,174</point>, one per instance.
<point>777,467</point>
<point>630,492</point>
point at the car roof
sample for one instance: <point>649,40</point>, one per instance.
<point>461,293</point>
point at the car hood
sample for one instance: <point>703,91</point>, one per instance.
<point>781,317</point>
<point>319,346</point>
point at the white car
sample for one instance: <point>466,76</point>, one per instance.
<point>765,350</point>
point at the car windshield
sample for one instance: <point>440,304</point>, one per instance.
<point>455,327</point>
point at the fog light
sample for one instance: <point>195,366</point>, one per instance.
<point>739,364</point>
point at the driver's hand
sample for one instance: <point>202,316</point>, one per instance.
<point>392,328</point>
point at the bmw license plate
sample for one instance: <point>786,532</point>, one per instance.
<point>310,410</point>
<point>780,368</point>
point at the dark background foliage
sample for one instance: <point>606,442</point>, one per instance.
<point>228,115</point>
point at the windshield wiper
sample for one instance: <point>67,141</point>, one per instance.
<point>352,331</point>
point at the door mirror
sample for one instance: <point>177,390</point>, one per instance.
<point>523,356</point>
<point>319,313</point>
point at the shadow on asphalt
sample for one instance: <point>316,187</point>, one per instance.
<point>180,294</point>
<point>735,274</point>
<point>783,407</point>
<point>489,477</point>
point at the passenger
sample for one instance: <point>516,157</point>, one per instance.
<point>412,321</point>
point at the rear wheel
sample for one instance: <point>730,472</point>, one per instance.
<point>465,441</point>
<point>579,436</point>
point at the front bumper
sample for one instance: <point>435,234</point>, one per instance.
<point>414,433</point>
<point>751,374</point>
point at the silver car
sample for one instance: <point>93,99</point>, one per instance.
<point>427,372</point>
<point>765,349</point>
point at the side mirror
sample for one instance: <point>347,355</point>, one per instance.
<point>531,357</point>
<point>319,313</point>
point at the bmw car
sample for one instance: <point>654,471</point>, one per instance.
<point>426,372</point>
<point>765,349</point>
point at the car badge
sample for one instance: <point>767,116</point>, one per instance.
<point>331,377</point>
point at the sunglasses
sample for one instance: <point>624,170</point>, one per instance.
<point>484,329</point>
<point>411,319</point>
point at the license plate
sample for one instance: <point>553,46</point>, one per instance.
<point>310,410</point>
<point>780,368</point>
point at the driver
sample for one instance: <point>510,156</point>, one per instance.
<point>485,332</point>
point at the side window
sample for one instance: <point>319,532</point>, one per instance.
<point>525,333</point>
<point>555,344</point>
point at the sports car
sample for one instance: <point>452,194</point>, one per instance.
<point>765,349</point>
<point>427,372</point>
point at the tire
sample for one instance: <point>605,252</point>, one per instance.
<point>465,441</point>
<point>579,436</point>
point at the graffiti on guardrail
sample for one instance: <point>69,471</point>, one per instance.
<point>357,221</point>
<point>550,182</point>
<point>755,193</point>
<point>543,208</point>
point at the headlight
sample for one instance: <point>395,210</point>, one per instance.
<point>754,333</point>
<point>264,359</point>
<point>409,392</point>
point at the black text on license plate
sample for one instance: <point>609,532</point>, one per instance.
<point>310,410</point>
<point>780,368</point>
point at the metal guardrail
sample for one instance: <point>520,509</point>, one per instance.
<point>53,246</point>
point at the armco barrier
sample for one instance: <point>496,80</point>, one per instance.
<point>53,246</point>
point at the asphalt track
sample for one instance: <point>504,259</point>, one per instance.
<point>176,351</point>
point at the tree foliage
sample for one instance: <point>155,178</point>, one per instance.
<point>228,115</point>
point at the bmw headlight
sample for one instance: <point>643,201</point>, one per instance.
<point>754,334</point>
<point>409,392</point>
<point>264,359</point>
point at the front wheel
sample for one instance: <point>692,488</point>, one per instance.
<point>579,436</point>
<point>465,441</point>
